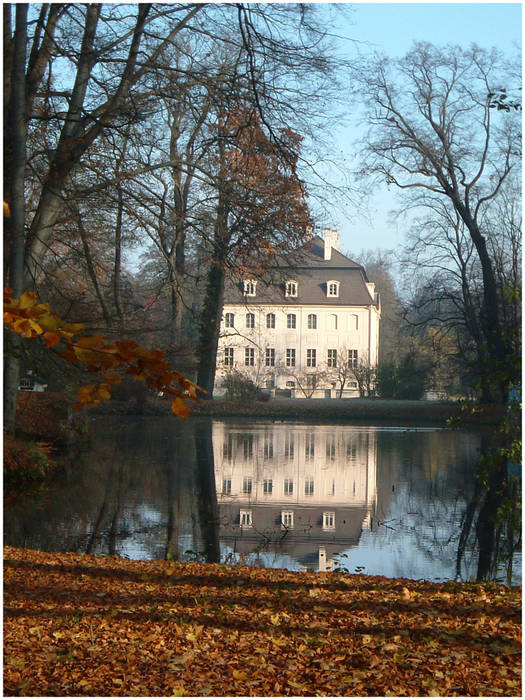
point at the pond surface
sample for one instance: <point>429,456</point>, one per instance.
<point>381,500</point>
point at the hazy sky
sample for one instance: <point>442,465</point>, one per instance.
<point>392,28</point>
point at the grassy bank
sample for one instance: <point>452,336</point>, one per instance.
<point>95,626</point>
<point>348,409</point>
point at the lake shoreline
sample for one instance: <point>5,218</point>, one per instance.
<point>331,410</point>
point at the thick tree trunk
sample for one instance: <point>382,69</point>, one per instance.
<point>497,367</point>
<point>210,324</point>
<point>17,137</point>
<point>210,320</point>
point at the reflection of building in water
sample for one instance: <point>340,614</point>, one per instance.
<point>296,486</point>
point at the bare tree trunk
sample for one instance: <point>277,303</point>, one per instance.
<point>92,271</point>
<point>16,141</point>
<point>210,325</point>
<point>117,263</point>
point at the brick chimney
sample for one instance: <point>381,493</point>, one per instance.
<point>331,240</point>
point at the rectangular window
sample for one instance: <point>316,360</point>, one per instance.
<point>228,357</point>
<point>288,487</point>
<point>250,320</point>
<point>309,447</point>
<point>270,320</point>
<point>287,519</point>
<point>351,450</point>
<point>267,487</point>
<point>229,320</point>
<point>270,357</point>
<point>311,381</point>
<point>27,384</point>
<point>227,486</point>
<point>291,321</point>
<point>328,521</point>
<point>309,487</point>
<point>311,357</point>
<point>352,359</point>
<point>312,321</point>
<point>245,518</point>
<point>290,357</point>
<point>289,447</point>
<point>248,445</point>
<point>227,447</point>
<point>249,357</point>
<point>268,447</point>
<point>247,484</point>
<point>332,358</point>
<point>330,448</point>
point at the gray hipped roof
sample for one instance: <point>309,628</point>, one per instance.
<point>311,272</point>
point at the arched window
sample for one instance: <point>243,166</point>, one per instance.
<point>249,288</point>
<point>270,320</point>
<point>250,320</point>
<point>332,322</point>
<point>332,288</point>
<point>291,288</point>
<point>291,321</point>
<point>229,320</point>
<point>312,321</point>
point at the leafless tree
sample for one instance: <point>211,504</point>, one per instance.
<point>434,135</point>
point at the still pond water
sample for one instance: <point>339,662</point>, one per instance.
<point>376,499</point>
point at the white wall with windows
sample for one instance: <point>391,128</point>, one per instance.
<point>297,347</point>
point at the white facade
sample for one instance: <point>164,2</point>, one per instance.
<point>305,333</point>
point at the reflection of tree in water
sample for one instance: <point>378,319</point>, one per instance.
<point>493,514</point>
<point>432,479</point>
<point>206,492</point>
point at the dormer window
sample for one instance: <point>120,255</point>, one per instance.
<point>249,288</point>
<point>291,288</point>
<point>332,288</point>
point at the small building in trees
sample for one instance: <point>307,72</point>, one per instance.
<point>307,328</point>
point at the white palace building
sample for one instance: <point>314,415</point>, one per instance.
<point>303,327</point>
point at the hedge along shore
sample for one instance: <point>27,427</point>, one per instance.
<point>347,410</point>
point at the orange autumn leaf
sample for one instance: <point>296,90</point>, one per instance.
<point>52,339</point>
<point>180,408</point>
<point>112,378</point>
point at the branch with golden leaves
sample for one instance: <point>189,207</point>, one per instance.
<point>30,319</point>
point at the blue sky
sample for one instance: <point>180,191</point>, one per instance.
<point>392,28</point>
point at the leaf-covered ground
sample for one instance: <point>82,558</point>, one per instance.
<point>96,626</point>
